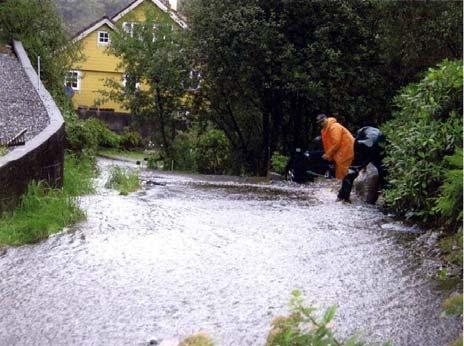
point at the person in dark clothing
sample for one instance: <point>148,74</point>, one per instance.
<point>367,149</point>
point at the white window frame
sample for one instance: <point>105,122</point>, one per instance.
<point>129,27</point>
<point>78,80</point>
<point>124,82</point>
<point>103,43</point>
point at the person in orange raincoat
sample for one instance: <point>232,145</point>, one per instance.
<point>338,145</point>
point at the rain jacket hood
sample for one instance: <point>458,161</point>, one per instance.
<point>338,146</point>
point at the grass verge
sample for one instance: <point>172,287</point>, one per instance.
<point>43,210</point>
<point>123,180</point>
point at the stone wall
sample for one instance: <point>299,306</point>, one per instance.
<point>42,158</point>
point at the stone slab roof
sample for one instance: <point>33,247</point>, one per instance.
<point>20,105</point>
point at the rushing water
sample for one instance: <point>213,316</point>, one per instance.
<point>217,255</point>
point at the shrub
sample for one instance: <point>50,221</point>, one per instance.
<point>105,137</point>
<point>183,149</point>
<point>130,140</point>
<point>279,162</point>
<point>449,203</point>
<point>79,136</point>
<point>212,152</point>
<point>304,327</point>
<point>426,126</point>
<point>123,181</point>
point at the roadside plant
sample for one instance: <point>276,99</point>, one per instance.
<point>123,180</point>
<point>426,127</point>
<point>212,152</point>
<point>306,327</point>
<point>449,203</point>
<point>279,162</point>
<point>3,150</point>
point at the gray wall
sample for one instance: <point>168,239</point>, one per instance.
<point>42,158</point>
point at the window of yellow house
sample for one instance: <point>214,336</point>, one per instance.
<point>103,37</point>
<point>129,27</point>
<point>73,80</point>
<point>130,82</point>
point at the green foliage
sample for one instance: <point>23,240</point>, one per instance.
<point>157,70</point>
<point>88,135</point>
<point>305,327</point>
<point>269,67</point>
<point>3,150</point>
<point>426,127</point>
<point>279,162</point>
<point>184,152</point>
<point>212,152</point>
<point>451,246</point>
<point>79,136</point>
<point>199,339</point>
<point>130,140</point>
<point>37,25</point>
<point>123,180</point>
<point>43,210</point>
<point>79,170</point>
<point>453,305</point>
<point>449,203</point>
<point>105,137</point>
<point>415,36</point>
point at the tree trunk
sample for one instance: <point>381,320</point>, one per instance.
<point>265,162</point>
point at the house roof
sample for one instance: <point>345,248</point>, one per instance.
<point>94,26</point>
<point>131,6</point>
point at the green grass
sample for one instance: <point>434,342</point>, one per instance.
<point>116,153</point>
<point>124,181</point>
<point>3,151</point>
<point>43,210</point>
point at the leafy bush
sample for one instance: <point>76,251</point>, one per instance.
<point>79,136</point>
<point>279,162</point>
<point>304,327</point>
<point>122,180</point>
<point>130,140</point>
<point>105,137</point>
<point>212,152</point>
<point>184,152</point>
<point>449,204</point>
<point>44,211</point>
<point>426,126</point>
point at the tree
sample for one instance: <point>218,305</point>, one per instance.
<point>37,25</point>
<point>415,35</point>
<point>157,75</point>
<point>271,66</point>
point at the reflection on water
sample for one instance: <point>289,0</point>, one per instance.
<point>219,255</point>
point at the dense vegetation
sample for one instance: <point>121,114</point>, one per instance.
<point>43,210</point>
<point>125,181</point>
<point>427,127</point>
<point>269,67</point>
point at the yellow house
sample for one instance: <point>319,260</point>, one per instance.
<point>87,78</point>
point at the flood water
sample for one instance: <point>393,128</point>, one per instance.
<point>220,255</point>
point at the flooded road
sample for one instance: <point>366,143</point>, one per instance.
<point>222,256</point>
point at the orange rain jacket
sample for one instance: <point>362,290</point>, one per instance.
<point>338,146</point>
